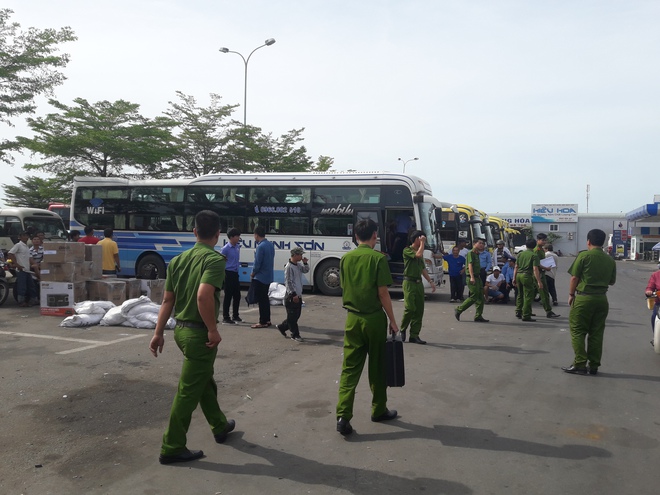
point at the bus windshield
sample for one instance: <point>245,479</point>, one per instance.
<point>428,225</point>
<point>51,226</point>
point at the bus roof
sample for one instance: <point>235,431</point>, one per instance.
<point>416,184</point>
<point>27,212</point>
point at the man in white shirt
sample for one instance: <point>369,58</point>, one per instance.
<point>20,257</point>
<point>552,273</point>
<point>494,288</point>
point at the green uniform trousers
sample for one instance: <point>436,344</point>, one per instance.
<point>196,386</point>
<point>413,313</point>
<point>364,335</point>
<point>526,284</point>
<point>587,321</point>
<point>544,294</point>
<point>476,297</point>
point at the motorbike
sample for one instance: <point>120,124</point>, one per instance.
<point>7,281</point>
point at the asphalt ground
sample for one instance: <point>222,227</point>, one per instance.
<point>485,409</point>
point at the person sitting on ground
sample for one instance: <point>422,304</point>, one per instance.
<point>495,286</point>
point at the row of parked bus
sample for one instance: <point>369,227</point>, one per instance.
<point>464,222</point>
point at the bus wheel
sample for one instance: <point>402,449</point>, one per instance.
<point>150,266</point>
<point>327,278</point>
<point>4,291</point>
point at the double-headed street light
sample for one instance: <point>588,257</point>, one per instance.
<point>406,161</point>
<point>268,42</point>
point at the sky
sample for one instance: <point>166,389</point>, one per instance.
<point>505,103</point>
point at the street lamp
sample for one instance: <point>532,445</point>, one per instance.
<point>406,161</point>
<point>268,42</point>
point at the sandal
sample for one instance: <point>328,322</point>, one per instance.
<point>261,325</point>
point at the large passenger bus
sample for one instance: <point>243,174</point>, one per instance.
<point>153,219</point>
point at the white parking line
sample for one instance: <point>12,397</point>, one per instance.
<point>93,343</point>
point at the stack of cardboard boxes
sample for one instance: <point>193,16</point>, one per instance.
<point>71,272</point>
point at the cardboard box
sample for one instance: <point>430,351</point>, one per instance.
<point>58,298</point>
<point>94,254</point>
<point>154,289</point>
<point>63,252</point>
<point>113,290</point>
<point>66,272</point>
<point>133,288</point>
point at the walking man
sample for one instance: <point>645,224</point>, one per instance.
<point>456,266</point>
<point>543,292</point>
<point>365,275</point>
<point>232,251</point>
<point>526,276</point>
<point>552,273</point>
<point>413,287</point>
<point>592,273</point>
<point>192,289</point>
<point>262,275</point>
<point>474,283</point>
<point>293,281</point>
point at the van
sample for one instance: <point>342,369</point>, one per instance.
<point>13,221</point>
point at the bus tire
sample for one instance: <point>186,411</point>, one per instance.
<point>4,291</point>
<point>327,278</point>
<point>148,264</point>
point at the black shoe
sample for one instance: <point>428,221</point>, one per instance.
<point>552,314</point>
<point>457,315</point>
<point>297,338</point>
<point>555,303</point>
<point>575,370</point>
<point>222,436</point>
<point>403,335</point>
<point>283,332</point>
<point>593,371</point>
<point>228,321</point>
<point>518,315</point>
<point>344,427</point>
<point>185,456</point>
<point>237,319</point>
<point>417,340</point>
<point>528,319</point>
<point>481,319</point>
<point>386,416</point>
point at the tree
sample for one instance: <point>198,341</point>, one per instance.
<point>36,192</point>
<point>29,63</point>
<point>103,139</point>
<point>323,164</point>
<point>201,137</point>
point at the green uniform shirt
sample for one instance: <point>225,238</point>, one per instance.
<point>199,265</point>
<point>595,269</point>
<point>526,261</point>
<point>361,272</point>
<point>472,258</point>
<point>413,266</point>
<point>540,253</point>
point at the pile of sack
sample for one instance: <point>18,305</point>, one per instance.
<point>135,313</point>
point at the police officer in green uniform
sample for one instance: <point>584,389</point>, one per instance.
<point>474,283</point>
<point>365,275</point>
<point>413,287</point>
<point>525,274</point>
<point>192,290</point>
<point>592,273</point>
<point>543,292</point>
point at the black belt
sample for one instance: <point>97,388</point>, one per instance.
<point>590,293</point>
<point>410,279</point>
<point>190,324</point>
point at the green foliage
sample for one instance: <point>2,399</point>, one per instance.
<point>37,192</point>
<point>323,164</point>
<point>201,137</point>
<point>28,67</point>
<point>102,139</point>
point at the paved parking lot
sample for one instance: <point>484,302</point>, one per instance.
<point>485,408</point>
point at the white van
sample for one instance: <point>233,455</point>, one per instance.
<point>13,221</point>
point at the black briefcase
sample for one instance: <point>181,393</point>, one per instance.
<point>395,372</point>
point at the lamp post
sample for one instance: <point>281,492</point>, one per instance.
<point>268,42</point>
<point>406,161</point>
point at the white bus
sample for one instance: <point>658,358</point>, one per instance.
<point>153,219</point>
<point>13,221</point>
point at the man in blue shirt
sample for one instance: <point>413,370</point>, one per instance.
<point>262,275</point>
<point>232,251</point>
<point>507,271</point>
<point>456,266</point>
<point>486,262</point>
